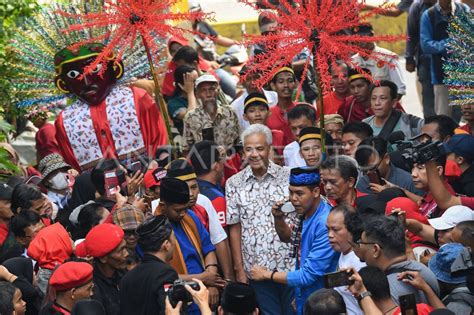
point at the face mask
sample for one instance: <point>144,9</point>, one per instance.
<point>59,181</point>
<point>452,169</point>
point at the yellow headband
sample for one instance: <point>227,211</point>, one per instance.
<point>186,177</point>
<point>356,76</point>
<point>309,136</point>
<point>256,99</point>
<point>284,69</point>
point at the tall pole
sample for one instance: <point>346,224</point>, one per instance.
<point>159,98</point>
<point>315,39</point>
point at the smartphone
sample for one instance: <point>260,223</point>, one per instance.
<point>208,134</point>
<point>408,304</point>
<point>374,177</point>
<point>136,166</point>
<point>122,181</point>
<point>287,207</point>
<point>110,183</point>
<point>337,279</point>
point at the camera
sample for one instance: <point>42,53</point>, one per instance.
<point>177,292</point>
<point>420,152</point>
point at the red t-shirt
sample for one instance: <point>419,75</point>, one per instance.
<point>468,202</point>
<point>466,128</point>
<point>333,202</point>
<point>3,233</point>
<point>278,141</point>
<point>278,121</point>
<point>422,309</point>
<point>331,103</point>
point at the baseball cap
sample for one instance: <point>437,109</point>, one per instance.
<point>441,263</point>
<point>205,78</point>
<point>153,177</point>
<point>451,217</point>
<point>462,145</point>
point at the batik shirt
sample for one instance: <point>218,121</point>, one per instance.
<point>249,202</point>
<point>225,124</point>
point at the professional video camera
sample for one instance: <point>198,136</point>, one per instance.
<point>419,149</point>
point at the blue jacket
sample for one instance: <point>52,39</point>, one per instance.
<point>317,257</point>
<point>434,37</point>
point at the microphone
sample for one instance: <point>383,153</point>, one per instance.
<point>395,137</point>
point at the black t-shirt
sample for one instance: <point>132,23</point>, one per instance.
<point>464,185</point>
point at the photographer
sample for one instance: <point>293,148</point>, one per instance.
<point>200,297</point>
<point>141,289</point>
<point>460,156</point>
<point>374,159</point>
<point>442,196</point>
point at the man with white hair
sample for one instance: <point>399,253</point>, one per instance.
<point>250,195</point>
<point>211,120</point>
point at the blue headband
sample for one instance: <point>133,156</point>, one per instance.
<point>305,179</point>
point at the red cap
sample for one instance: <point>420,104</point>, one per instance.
<point>410,207</point>
<point>81,250</point>
<point>51,247</point>
<point>71,275</point>
<point>103,239</point>
<point>153,177</point>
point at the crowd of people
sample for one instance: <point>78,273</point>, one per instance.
<point>259,209</point>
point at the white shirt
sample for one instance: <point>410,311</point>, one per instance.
<point>238,105</point>
<point>383,72</point>
<point>292,156</point>
<point>346,261</point>
<point>249,202</point>
<point>216,231</point>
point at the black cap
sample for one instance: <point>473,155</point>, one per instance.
<point>254,99</point>
<point>239,298</point>
<point>353,74</point>
<point>5,192</point>
<point>180,169</point>
<point>174,190</point>
<point>158,226</point>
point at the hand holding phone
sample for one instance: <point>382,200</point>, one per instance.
<point>337,279</point>
<point>111,183</point>
<point>408,304</point>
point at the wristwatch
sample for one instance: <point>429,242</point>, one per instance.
<point>363,295</point>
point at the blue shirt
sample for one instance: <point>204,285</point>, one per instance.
<point>190,254</point>
<point>317,257</point>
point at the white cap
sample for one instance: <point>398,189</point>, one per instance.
<point>451,217</point>
<point>205,78</point>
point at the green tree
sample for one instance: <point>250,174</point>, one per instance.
<point>12,14</point>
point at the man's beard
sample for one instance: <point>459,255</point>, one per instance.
<point>209,105</point>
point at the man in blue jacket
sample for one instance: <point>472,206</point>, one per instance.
<point>314,255</point>
<point>434,38</point>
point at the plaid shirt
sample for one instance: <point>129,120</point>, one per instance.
<point>226,126</point>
